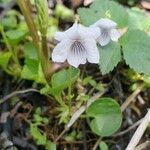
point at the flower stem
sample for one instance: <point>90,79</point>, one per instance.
<point>69,88</point>
<point>45,53</point>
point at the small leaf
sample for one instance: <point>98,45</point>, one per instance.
<point>30,51</point>
<point>4,59</point>
<point>50,146</point>
<point>107,116</point>
<point>62,79</point>
<point>9,22</point>
<point>71,136</point>
<point>37,118</point>
<point>15,36</point>
<point>110,55</point>
<point>37,134</point>
<point>103,146</point>
<point>136,50</point>
<point>32,70</point>
<point>64,114</point>
<point>51,31</point>
<point>103,9</point>
<point>63,12</point>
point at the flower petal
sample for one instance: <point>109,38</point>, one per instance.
<point>89,32</point>
<point>114,34</point>
<point>79,32</point>
<point>60,52</point>
<point>104,38</point>
<point>59,36</point>
<point>73,32</point>
<point>77,56</point>
<point>92,51</point>
<point>105,23</point>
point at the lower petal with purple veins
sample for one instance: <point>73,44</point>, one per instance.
<point>77,54</point>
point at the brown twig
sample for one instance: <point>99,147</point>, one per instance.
<point>131,97</point>
<point>97,143</point>
<point>129,129</point>
<point>143,146</point>
<point>4,99</point>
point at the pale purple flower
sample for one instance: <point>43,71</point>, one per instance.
<point>77,45</point>
<point>108,31</point>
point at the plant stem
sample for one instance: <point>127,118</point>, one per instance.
<point>29,20</point>
<point>45,53</point>
<point>25,7</point>
<point>69,88</point>
<point>60,101</point>
<point>44,47</point>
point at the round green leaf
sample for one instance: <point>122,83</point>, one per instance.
<point>107,116</point>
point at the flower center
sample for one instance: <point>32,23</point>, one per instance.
<point>77,47</point>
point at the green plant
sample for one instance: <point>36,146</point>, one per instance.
<point>69,86</point>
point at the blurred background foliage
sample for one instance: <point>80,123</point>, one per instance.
<point>128,2</point>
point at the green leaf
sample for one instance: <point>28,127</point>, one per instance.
<point>138,19</point>
<point>15,36</point>
<point>110,55</point>
<point>40,137</point>
<point>64,114</point>
<point>37,134</point>
<point>62,79</point>
<point>71,136</point>
<point>103,9</point>
<point>32,70</point>
<point>51,31</point>
<point>105,111</point>
<point>136,50</point>
<point>4,59</point>
<point>30,51</point>
<point>38,111</point>
<point>50,146</point>
<point>9,22</point>
<point>37,118</point>
<point>63,12</point>
<point>103,146</point>
<point>89,80</point>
